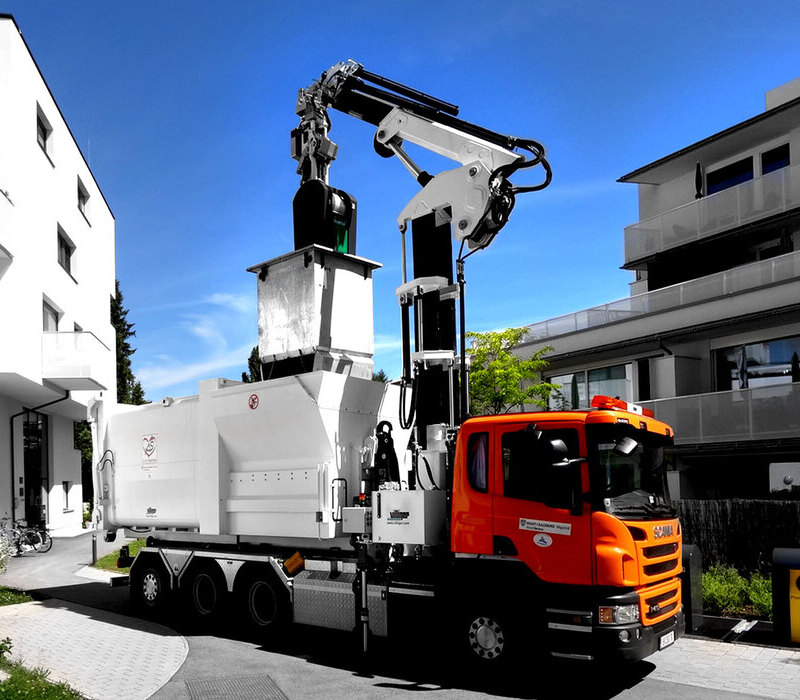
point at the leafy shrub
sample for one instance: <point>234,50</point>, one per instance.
<point>760,593</point>
<point>726,592</point>
<point>5,647</point>
<point>6,552</point>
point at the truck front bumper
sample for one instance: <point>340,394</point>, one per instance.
<point>631,642</point>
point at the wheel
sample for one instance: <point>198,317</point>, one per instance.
<point>149,585</point>
<point>205,594</point>
<point>487,638</point>
<point>263,602</point>
<point>30,539</point>
<point>47,542</point>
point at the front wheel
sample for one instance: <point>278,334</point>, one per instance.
<point>47,542</point>
<point>486,637</point>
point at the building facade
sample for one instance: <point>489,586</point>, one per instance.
<point>57,348</point>
<point>710,336</point>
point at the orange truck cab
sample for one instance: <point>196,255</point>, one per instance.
<point>564,523</point>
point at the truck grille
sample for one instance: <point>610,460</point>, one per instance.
<point>660,602</point>
<point>661,567</point>
<point>660,550</point>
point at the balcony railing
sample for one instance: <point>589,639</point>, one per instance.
<point>75,361</point>
<point>757,199</point>
<point>782,268</point>
<point>761,413</point>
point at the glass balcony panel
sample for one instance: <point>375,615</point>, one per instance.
<point>762,413</point>
<point>725,415</point>
<point>763,197</point>
<point>679,226</point>
<point>719,211</point>
<point>702,289</point>
<point>74,361</point>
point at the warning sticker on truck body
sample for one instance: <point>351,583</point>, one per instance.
<point>545,526</point>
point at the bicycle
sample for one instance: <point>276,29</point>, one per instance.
<point>22,538</point>
<point>47,540</point>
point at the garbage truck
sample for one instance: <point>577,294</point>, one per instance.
<point>320,497</point>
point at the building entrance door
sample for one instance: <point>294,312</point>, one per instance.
<point>35,461</point>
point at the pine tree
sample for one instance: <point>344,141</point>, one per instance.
<point>129,389</point>
<point>253,373</point>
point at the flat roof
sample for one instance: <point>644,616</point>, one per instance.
<point>748,134</point>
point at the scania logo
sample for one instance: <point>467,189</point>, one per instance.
<point>661,531</point>
<point>655,609</point>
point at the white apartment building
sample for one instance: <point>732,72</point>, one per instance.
<point>57,347</point>
<point>710,336</point>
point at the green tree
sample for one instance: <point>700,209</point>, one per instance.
<point>499,380</point>
<point>380,376</point>
<point>253,373</point>
<point>129,389</point>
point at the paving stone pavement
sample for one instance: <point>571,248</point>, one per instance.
<point>761,671</point>
<point>99,653</point>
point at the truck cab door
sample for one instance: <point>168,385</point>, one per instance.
<point>555,542</point>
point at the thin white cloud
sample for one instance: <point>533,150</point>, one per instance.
<point>387,342</point>
<point>174,372</point>
<point>243,303</point>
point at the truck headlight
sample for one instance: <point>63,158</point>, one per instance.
<point>618,614</point>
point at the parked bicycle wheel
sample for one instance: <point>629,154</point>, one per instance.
<point>47,542</point>
<point>30,539</point>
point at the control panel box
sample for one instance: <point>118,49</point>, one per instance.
<point>408,517</point>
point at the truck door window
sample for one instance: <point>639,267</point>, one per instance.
<point>527,461</point>
<point>478,461</point>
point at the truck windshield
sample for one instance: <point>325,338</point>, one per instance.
<point>628,472</point>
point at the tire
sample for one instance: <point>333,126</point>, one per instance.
<point>489,638</point>
<point>205,594</point>
<point>47,542</point>
<point>30,539</point>
<point>262,603</point>
<point>149,584</point>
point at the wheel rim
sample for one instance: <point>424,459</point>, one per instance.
<point>204,594</point>
<point>261,603</point>
<point>150,587</point>
<point>486,637</point>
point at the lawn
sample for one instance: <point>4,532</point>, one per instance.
<point>109,561</point>
<point>9,596</point>
<point>24,683</point>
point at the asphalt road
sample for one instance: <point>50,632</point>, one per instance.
<point>309,663</point>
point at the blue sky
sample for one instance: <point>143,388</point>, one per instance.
<point>184,109</point>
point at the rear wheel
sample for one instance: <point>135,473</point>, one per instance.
<point>263,602</point>
<point>205,594</point>
<point>149,585</point>
<point>30,539</point>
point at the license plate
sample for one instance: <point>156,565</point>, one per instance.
<point>666,640</point>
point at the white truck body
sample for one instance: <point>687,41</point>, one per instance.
<point>272,461</point>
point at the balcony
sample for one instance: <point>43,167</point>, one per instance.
<point>737,206</point>
<point>761,413</point>
<point>782,268</point>
<point>75,361</point>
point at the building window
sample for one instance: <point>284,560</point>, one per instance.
<point>729,176</point>
<point>65,251</point>
<point>775,159</point>
<point>44,133</point>
<point>759,364</point>
<point>49,318</point>
<point>577,389</point>
<point>83,199</point>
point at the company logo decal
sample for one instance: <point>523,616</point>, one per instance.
<point>253,402</point>
<point>661,531</point>
<point>545,526</point>
<point>149,445</point>
<point>151,513</point>
<point>398,517</point>
<point>542,540</point>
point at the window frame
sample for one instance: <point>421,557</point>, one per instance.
<point>64,243</point>
<point>44,133</point>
